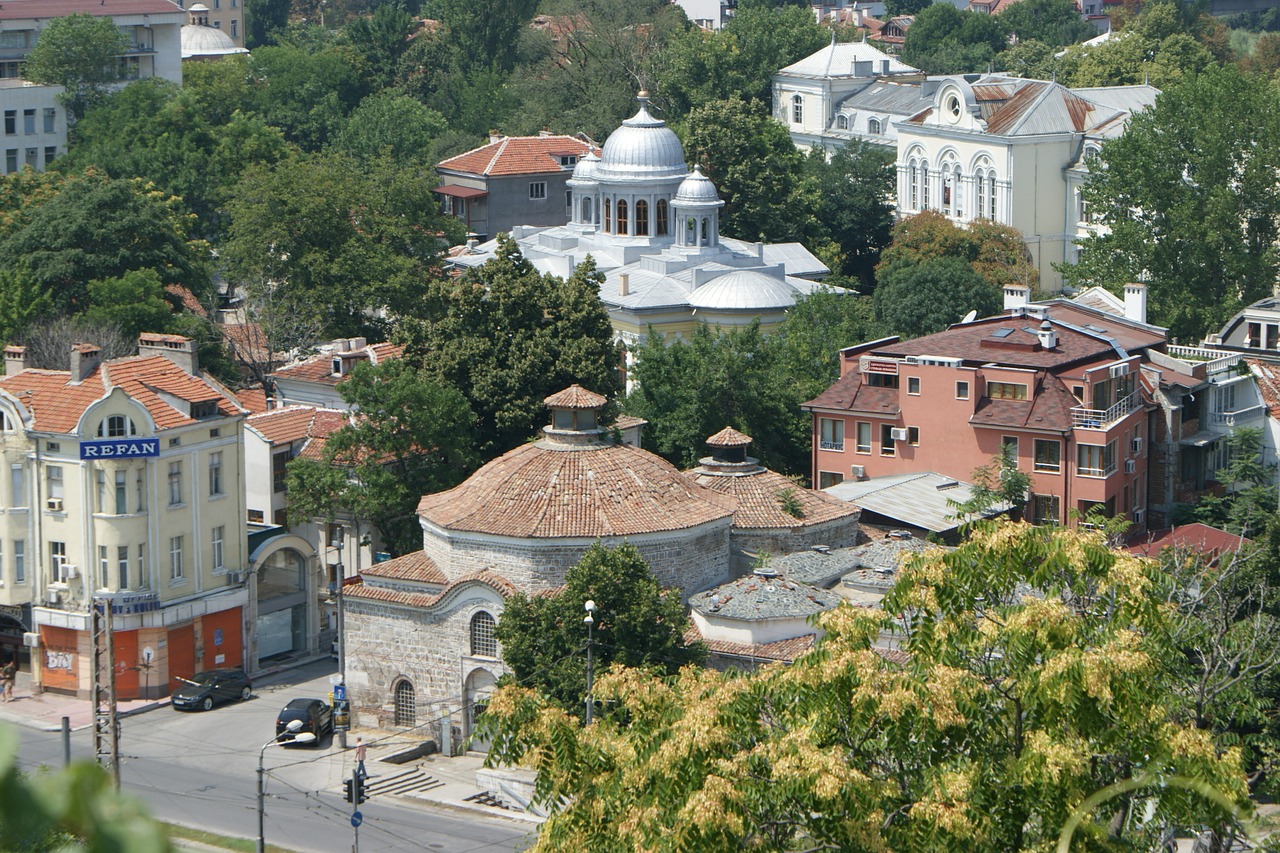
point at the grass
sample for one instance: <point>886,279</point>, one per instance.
<point>223,842</point>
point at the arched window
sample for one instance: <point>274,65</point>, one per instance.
<point>842,122</point>
<point>913,185</point>
<point>642,218</point>
<point>406,707</point>
<point>980,184</point>
<point>690,232</point>
<point>116,426</point>
<point>622,217</point>
<point>924,185</point>
<point>948,189</point>
<point>608,216</point>
<point>586,210</point>
<point>483,642</point>
<point>873,126</point>
<point>6,423</point>
<point>990,181</point>
<point>706,238</point>
<point>797,109</point>
<point>660,217</point>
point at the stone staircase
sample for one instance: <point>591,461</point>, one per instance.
<point>410,781</point>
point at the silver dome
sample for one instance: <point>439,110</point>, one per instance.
<point>643,148</point>
<point>198,40</point>
<point>744,290</point>
<point>586,168</point>
<point>697,188</point>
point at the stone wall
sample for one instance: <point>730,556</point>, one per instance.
<point>777,541</point>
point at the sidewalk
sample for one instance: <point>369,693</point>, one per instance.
<point>45,711</point>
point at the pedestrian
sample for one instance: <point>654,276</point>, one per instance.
<point>8,675</point>
<point>361,750</point>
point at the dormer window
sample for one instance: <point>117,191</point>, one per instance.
<point>6,423</point>
<point>337,367</point>
<point>568,160</point>
<point>116,426</point>
<point>842,122</point>
<point>201,409</point>
<point>873,126</point>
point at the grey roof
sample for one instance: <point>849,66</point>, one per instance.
<point>744,290</point>
<point>642,149</point>
<point>836,60</point>
<point>697,188</point>
<point>817,568</point>
<point>919,500</point>
<point>755,597</point>
<point>795,258</point>
<point>1126,98</point>
<point>887,97</point>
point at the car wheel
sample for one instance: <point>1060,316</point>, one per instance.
<point>207,704</point>
<point>245,693</point>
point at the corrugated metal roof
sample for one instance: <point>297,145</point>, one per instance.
<point>918,500</point>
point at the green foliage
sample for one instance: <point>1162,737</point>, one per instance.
<point>996,484</point>
<point>1008,712</point>
<point>74,810</point>
<point>134,302</point>
<point>483,41</point>
<point>755,166</point>
<point>262,19</point>
<point>637,625</point>
<point>95,227</point>
<point>306,93</point>
<point>392,125</point>
<point>79,52</point>
<point>850,196</point>
<point>336,240</point>
<point>1052,22</point>
<point>508,338</point>
<point>894,8</point>
<point>789,501</point>
<point>996,252</point>
<point>380,40</point>
<point>1190,198</point>
<point>22,302</point>
<point>1248,506</point>
<point>1158,47</point>
<point>945,40</point>
<point>928,297</point>
<point>413,435</point>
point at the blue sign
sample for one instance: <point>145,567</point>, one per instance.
<point>339,692</point>
<point>356,818</point>
<point>217,636</point>
<point>120,448</point>
<point>138,602</point>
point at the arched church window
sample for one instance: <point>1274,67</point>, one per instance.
<point>913,184</point>
<point>586,210</point>
<point>642,218</point>
<point>797,109</point>
<point>484,643</point>
<point>622,217</point>
<point>660,217</point>
<point>608,216</point>
<point>924,185</point>
<point>842,122</point>
<point>957,193</point>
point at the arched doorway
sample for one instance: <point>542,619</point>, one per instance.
<point>12,627</point>
<point>479,687</point>
<point>282,605</point>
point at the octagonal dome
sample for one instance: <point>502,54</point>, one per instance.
<point>585,170</point>
<point>697,189</point>
<point>643,148</point>
<point>744,290</point>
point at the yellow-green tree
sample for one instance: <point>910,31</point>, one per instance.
<point>1036,675</point>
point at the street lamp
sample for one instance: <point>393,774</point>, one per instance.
<point>295,737</point>
<point>589,620</point>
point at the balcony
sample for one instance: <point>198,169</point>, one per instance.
<point>1100,419</point>
<point>1237,418</point>
<point>1216,361</point>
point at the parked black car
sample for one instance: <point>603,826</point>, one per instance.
<point>315,714</point>
<point>206,689</point>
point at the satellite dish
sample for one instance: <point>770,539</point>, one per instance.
<point>970,317</point>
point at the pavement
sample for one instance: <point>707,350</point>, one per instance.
<point>435,781</point>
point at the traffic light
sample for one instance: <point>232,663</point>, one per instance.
<point>359,786</point>
<point>349,786</point>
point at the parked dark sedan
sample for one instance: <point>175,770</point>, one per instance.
<point>206,689</point>
<point>315,714</point>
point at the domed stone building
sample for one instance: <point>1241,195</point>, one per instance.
<point>652,225</point>
<point>420,628</point>
<point>201,42</point>
<point>771,514</point>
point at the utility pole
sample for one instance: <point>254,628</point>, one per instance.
<point>589,619</point>
<point>106,730</point>
<point>342,641</point>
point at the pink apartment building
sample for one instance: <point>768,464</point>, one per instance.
<point>1059,381</point>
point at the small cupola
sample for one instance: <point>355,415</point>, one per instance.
<point>729,455</point>
<point>575,415</point>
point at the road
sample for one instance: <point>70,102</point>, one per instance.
<point>199,769</point>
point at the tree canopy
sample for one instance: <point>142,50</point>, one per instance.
<point>636,624</point>
<point>928,297</point>
<point>1011,721</point>
<point>81,53</point>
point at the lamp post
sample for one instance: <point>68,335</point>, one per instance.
<point>292,730</point>
<point>589,620</point>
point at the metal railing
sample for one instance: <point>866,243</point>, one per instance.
<point>1096,472</point>
<point>1231,419</point>
<point>1083,418</point>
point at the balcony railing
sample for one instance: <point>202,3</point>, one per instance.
<point>1215,358</point>
<point>1096,472</point>
<point>1083,418</point>
<point>1239,416</point>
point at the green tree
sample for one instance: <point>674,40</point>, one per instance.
<point>81,53</point>
<point>755,166</point>
<point>307,92</point>
<point>392,125</point>
<point>96,227</point>
<point>262,18</point>
<point>996,252</point>
<point>998,483</point>
<point>1031,59</point>
<point>1053,22</point>
<point>485,41</point>
<point>134,302</point>
<point>508,337</point>
<point>930,296</point>
<point>1007,713</point>
<point>380,40</point>
<point>893,8</point>
<point>412,436</point>
<point>1248,505</point>
<point>945,40</point>
<point>851,194</point>
<point>1191,202</point>
<point>1159,47</point>
<point>335,240</point>
<point>637,624</point>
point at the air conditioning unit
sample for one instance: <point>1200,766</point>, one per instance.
<point>1137,445</point>
<point>1130,465</point>
<point>857,472</point>
<point>898,433</point>
<point>53,595</point>
<point>235,578</point>
<point>1137,516</point>
<point>54,504</point>
<point>69,571</point>
<point>1118,370</point>
<point>31,640</point>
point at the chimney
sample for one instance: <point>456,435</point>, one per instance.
<point>181,351</point>
<point>1048,337</point>
<point>884,66</point>
<point>862,68</point>
<point>15,359</point>
<point>84,358</point>
<point>1015,296</point>
<point>624,284</point>
<point>495,136</point>
<point>358,344</point>
<point>1135,301</point>
<point>341,345</point>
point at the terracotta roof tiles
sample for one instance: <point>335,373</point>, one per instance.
<point>575,397</point>
<point>319,368</point>
<point>517,155</point>
<point>418,599</point>
<point>851,393</point>
<point>729,437</point>
<point>410,567</point>
<point>758,503</point>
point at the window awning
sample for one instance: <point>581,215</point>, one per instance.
<point>460,191</point>
<point>1200,439</point>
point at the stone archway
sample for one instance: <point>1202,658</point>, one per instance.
<point>479,687</point>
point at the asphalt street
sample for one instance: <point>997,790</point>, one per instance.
<point>199,769</point>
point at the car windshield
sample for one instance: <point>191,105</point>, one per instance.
<point>200,679</point>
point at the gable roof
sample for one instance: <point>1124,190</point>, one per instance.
<point>836,60</point>
<point>296,423</point>
<point>319,368</point>
<point>517,155</point>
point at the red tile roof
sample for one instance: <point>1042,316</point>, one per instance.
<point>517,155</point>
<point>1268,380</point>
<point>320,368</point>
<point>22,9</point>
<point>1191,537</point>
<point>544,490</point>
<point>729,437</point>
<point>758,505</point>
<point>417,599</point>
<point>575,397</point>
<point>253,399</point>
<point>186,299</point>
<point>416,567</point>
<point>850,393</point>
<point>1049,408</point>
<point>299,423</point>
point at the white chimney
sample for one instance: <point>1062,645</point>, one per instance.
<point>1135,301</point>
<point>1015,296</point>
<point>15,359</point>
<point>1048,337</point>
<point>624,284</point>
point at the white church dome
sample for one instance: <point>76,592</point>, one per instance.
<point>585,170</point>
<point>748,290</point>
<point>697,188</point>
<point>643,148</point>
<point>201,40</point>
